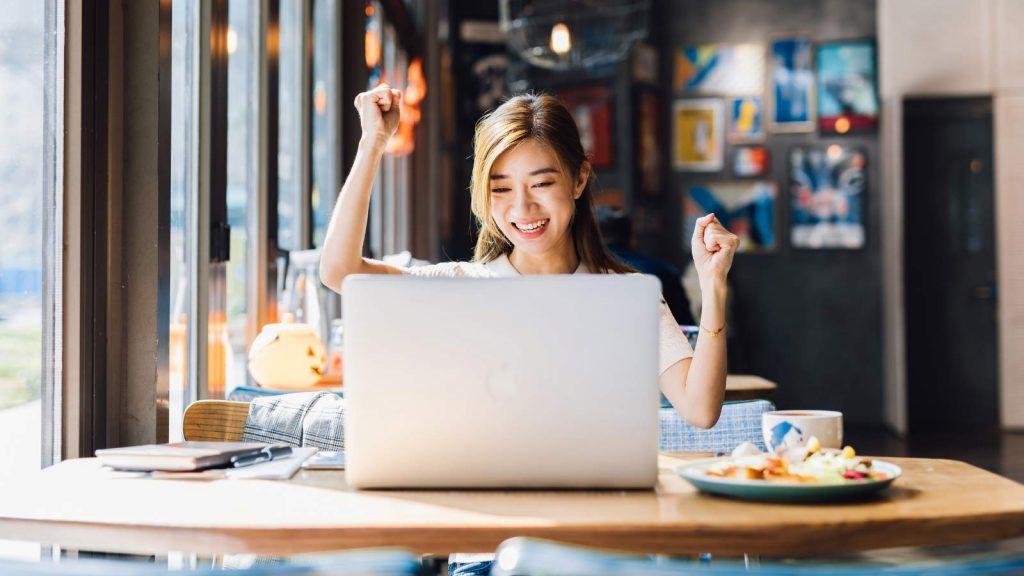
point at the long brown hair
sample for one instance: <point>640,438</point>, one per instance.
<point>546,120</point>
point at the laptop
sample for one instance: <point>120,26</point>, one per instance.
<point>520,382</point>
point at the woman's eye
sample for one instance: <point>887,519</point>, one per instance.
<point>498,190</point>
<point>542,184</point>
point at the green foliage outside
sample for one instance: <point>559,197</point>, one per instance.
<point>20,371</point>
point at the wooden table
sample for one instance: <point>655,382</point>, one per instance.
<point>747,387</point>
<point>78,505</point>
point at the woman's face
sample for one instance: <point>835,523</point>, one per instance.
<point>532,199</point>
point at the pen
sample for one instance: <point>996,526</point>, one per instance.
<point>264,455</point>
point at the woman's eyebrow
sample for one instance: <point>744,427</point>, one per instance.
<point>544,171</point>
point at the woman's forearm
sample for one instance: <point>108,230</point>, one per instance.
<point>342,251</point>
<point>704,390</point>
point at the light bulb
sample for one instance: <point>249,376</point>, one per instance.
<point>561,40</point>
<point>232,40</point>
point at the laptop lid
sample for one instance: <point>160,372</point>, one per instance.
<point>541,381</point>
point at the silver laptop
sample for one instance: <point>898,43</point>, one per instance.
<point>525,382</point>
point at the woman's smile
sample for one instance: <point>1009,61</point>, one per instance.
<point>529,229</point>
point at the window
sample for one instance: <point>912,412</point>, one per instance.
<point>292,113</point>
<point>184,205</point>
<point>326,123</point>
<point>243,46</point>
<point>31,86</point>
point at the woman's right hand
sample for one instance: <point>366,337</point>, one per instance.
<point>378,113</point>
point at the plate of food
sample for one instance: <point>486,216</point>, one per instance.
<point>800,474</point>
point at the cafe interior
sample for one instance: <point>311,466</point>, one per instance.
<point>172,175</point>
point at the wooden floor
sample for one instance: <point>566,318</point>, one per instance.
<point>999,452</point>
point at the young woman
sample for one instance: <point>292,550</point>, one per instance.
<point>531,195</point>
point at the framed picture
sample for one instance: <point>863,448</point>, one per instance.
<point>732,69</point>
<point>591,108</point>
<point>847,87</point>
<point>791,90</point>
<point>750,161</point>
<point>648,138</point>
<point>827,189</point>
<point>698,135</point>
<point>746,119</point>
<point>745,208</point>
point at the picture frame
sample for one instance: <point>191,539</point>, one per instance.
<point>791,85</point>
<point>746,208</point>
<point>847,86</point>
<point>719,69</point>
<point>746,119</point>
<point>698,135</point>
<point>592,109</point>
<point>750,161</point>
<point>827,193</point>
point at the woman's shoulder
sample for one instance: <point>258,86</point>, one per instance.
<point>451,270</point>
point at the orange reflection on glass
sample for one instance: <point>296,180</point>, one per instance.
<point>404,140</point>
<point>372,47</point>
<point>218,348</point>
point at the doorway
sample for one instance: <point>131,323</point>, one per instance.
<point>949,265</point>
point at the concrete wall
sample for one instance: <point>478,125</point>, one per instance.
<point>948,48</point>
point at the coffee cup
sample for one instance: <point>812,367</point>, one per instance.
<point>787,428</point>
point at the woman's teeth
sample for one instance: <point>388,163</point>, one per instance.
<point>531,226</point>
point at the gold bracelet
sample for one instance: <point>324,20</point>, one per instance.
<point>712,332</point>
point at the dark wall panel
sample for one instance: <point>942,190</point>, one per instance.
<point>809,319</point>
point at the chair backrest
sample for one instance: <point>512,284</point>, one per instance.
<point>215,420</point>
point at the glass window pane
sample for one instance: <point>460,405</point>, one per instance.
<point>325,109</point>
<point>242,187</point>
<point>23,188</point>
<point>184,147</point>
<point>289,136</point>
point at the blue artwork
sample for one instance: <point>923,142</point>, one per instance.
<point>827,196</point>
<point>792,86</point>
<point>847,95</point>
<point>747,209</point>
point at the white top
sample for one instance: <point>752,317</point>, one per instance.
<point>672,344</point>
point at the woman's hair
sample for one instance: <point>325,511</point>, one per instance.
<point>543,119</point>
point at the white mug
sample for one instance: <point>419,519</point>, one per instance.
<point>784,428</point>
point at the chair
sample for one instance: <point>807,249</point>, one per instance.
<point>533,557</point>
<point>214,420</point>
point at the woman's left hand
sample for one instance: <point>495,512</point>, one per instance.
<point>713,248</point>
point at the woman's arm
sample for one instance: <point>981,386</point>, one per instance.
<point>342,251</point>
<point>696,387</point>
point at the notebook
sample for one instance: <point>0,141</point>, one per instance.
<point>176,457</point>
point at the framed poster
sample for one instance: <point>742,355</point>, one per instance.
<point>732,69</point>
<point>745,208</point>
<point>591,108</point>
<point>847,87</point>
<point>750,161</point>
<point>827,189</point>
<point>648,142</point>
<point>746,119</point>
<point>698,135</point>
<point>791,89</point>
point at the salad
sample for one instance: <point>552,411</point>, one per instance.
<point>809,464</point>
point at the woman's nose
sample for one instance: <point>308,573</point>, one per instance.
<point>522,201</point>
